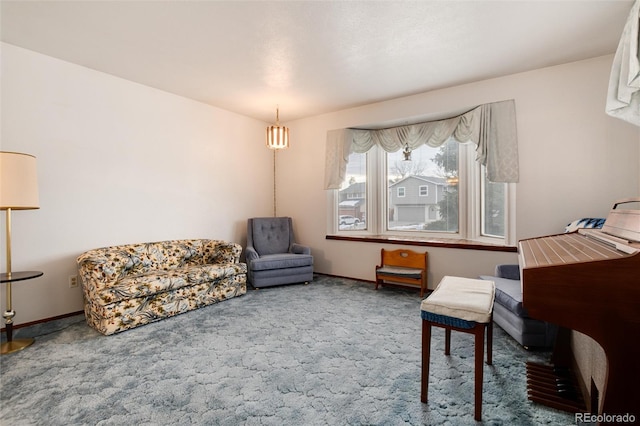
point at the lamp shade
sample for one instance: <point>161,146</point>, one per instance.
<point>277,136</point>
<point>18,181</point>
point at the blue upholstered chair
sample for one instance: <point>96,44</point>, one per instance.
<point>273,257</point>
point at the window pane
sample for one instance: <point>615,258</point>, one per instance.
<point>352,202</point>
<point>493,211</point>
<point>429,200</point>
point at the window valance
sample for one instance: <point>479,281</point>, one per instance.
<point>492,127</point>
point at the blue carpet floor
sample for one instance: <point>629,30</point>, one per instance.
<point>335,352</point>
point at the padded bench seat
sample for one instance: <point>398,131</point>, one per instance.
<point>399,271</point>
<point>466,299</point>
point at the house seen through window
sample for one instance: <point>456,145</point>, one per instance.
<point>429,203</point>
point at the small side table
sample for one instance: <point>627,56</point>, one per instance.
<point>12,345</point>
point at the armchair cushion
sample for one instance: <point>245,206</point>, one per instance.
<point>280,261</point>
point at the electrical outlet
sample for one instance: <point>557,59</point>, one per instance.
<point>73,281</point>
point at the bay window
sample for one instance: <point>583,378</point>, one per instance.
<point>434,180</point>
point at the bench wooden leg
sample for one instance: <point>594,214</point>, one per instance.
<point>447,341</point>
<point>479,332</point>
<point>490,342</point>
<point>479,364</point>
<point>426,353</point>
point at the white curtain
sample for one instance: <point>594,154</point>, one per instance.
<point>491,127</point>
<point>623,97</point>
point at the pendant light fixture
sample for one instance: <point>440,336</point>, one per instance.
<point>277,136</point>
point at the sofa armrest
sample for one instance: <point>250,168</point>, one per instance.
<point>511,272</point>
<point>225,252</point>
<point>100,268</point>
<point>300,249</point>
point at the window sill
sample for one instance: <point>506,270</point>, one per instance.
<point>425,242</point>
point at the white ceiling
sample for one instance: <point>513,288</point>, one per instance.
<point>312,57</point>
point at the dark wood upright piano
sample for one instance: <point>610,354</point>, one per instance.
<point>589,281</point>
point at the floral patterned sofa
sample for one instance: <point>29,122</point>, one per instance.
<point>131,285</point>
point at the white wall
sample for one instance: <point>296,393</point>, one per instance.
<point>575,161</point>
<point>118,163</point>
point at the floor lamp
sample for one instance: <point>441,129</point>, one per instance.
<point>18,191</point>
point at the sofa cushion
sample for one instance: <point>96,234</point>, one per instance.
<point>129,313</point>
<point>280,261</point>
<point>161,281</point>
<point>508,294</point>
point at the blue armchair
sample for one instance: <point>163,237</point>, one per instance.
<point>273,257</point>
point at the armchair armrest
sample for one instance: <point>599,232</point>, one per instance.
<point>511,272</point>
<point>300,249</point>
<point>251,254</point>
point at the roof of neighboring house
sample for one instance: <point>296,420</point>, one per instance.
<point>350,203</point>
<point>357,187</point>
<point>427,179</point>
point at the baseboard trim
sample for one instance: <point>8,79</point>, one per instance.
<point>346,278</point>
<point>42,321</point>
<point>392,285</point>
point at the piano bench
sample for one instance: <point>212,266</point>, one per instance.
<point>511,316</point>
<point>465,305</point>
